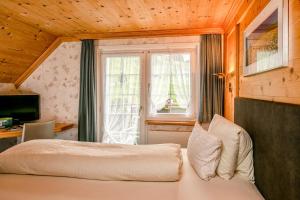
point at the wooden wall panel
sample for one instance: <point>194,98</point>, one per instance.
<point>21,45</point>
<point>281,85</point>
<point>230,68</point>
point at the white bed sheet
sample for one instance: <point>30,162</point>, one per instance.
<point>190,187</point>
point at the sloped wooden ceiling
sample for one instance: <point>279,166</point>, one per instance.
<point>20,45</point>
<point>28,27</point>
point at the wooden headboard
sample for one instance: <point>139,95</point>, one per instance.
<point>275,132</point>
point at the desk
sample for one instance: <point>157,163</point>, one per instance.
<point>59,127</point>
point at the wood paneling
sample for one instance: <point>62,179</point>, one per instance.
<point>230,67</point>
<point>232,70</point>
<point>61,17</point>
<point>281,85</point>
<point>29,27</point>
<point>21,45</point>
<point>38,61</point>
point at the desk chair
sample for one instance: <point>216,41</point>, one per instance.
<point>40,130</point>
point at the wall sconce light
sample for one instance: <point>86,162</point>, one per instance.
<point>220,75</point>
<point>225,77</point>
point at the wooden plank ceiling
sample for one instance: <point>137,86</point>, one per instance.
<point>29,27</point>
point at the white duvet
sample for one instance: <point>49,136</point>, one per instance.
<point>94,160</point>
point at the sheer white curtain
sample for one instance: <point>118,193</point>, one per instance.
<point>160,81</point>
<point>131,98</point>
<point>112,123</point>
<point>112,104</point>
<point>181,78</point>
<point>122,100</point>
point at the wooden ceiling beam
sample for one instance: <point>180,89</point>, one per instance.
<point>154,33</point>
<point>143,34</point>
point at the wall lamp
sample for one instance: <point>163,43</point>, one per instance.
<point>225,77</point>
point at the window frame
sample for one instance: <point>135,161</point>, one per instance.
<point>171,116</point>
<point>131,46</point>
<point>101,80</point>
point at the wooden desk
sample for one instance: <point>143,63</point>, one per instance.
<point>59,127</point>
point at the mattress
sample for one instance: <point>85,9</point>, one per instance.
<point>190,187</point>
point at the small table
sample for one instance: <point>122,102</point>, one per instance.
<point>7,133</point>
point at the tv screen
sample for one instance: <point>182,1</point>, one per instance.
<point>20,107</point>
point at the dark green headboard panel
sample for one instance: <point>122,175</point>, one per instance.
<point>275,132</point>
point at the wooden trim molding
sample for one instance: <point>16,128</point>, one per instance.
<point>69,39</point>
<point>238,14</point>
<point>39,61</point>
<point>154,33</point>
<point>178,123</point>
<point>237,4</point>
<point>237,60</point>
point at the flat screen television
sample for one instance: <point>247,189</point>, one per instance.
<point>22,108</point>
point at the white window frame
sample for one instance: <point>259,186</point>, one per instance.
<point>101,79</point>
<point>144,50</point>
<point>172,116</point>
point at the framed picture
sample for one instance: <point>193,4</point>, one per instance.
<point>266,39</point>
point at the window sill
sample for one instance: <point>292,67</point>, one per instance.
<point>164,122</point>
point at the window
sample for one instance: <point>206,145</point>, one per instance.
<point>144,84</point>
<point>170,84</point>
<point>122,99</point>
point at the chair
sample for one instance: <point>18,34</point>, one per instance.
<point>40,130</point>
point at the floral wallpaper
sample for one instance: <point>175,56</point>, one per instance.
<point>57,82</point>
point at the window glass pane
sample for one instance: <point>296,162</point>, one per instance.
<point>170,83</point>
<point>122,99</point>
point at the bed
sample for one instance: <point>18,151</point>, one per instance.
<point>274,129</point>
<point>189,187</point>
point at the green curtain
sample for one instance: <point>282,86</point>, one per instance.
<point>87,96</point>
<point>211,87</point>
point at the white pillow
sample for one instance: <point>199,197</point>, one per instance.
<point>228,133</point>
<point>245,157</point>
<point>203,151</point>
<point>234,138</point>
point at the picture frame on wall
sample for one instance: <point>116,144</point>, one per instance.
<point>266,39</point>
